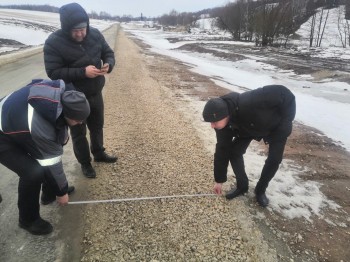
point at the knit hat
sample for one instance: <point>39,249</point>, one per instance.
<point>215,110</point>
<point>75,106</point>
<point>80,25</point>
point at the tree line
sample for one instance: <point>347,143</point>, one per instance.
<point>271,22</point>
<point>42,8</point>
<point>265,22</point>
<point>94,15</point>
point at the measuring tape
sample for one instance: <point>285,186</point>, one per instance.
<point>136,199</point>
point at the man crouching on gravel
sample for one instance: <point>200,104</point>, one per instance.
<point>34,124</point>
<point>264,113</point>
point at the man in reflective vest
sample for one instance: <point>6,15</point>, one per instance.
<point>34,124</point>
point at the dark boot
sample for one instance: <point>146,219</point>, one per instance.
<point>48,199</point>
<point>88,170</point>
<point>235,192</point>
<point>261,198</point>
<point>37,227</point>
<point>103,157</point>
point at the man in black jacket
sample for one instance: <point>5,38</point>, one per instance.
<point>79,54</point>
<point>34,124</point>
<point>264,113</point>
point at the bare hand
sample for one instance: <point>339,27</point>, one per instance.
<point>218,188</point>
<point>92,72</point>
<point>63,200</point>
<point>105,68</point>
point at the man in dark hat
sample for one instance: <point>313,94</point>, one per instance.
<point>79,54</point>
<point>264,113</point>
<point>33,129</point>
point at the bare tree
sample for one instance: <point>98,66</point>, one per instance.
<point>174,18</point>
<point>269,21</point>
<point>290,12</point>
<point>169,19</point>
<point>237,19</point>
<point>248,14</point>
<point>321,33</point>
<point>105,15</point>
<point>347,18</point>
<point>318,34</point>
<point>229,19</point>
<point>93,15</point>
<point>319,20</point>
<point>126,18</point>
<point>343,26</point>
<point>312,30</point>
<point>348,30</point>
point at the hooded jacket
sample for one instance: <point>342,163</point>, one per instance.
<point>67,59</point>
<point>32,118</point>
<point>264,113</point>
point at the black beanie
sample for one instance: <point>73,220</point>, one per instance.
<point>75,106</point>
<point>215,110</point>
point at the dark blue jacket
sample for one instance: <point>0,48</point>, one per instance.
<point>32,118</point>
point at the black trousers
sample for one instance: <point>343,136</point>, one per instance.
<point>274,158</point>
<point>31,176</point>
<point>94,123</point>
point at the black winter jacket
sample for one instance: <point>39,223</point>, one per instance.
<point>264,113</point>
<point>66,59</point>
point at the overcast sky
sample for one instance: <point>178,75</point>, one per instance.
<point>149,8</point>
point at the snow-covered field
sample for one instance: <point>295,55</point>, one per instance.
<point>31,28</point>
<point>333,30</point>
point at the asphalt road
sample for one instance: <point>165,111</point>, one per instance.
<point>63,244</point>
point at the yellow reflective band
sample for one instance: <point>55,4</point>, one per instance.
<point>50,161</point>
